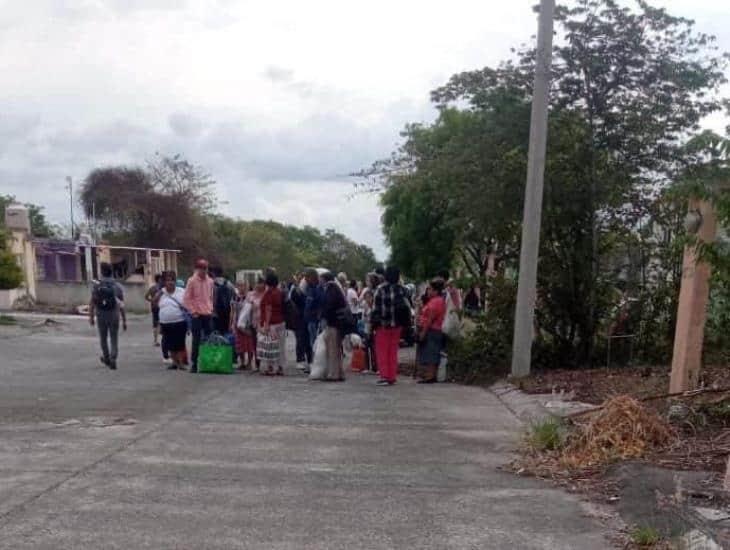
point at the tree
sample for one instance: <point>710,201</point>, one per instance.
<point>10,273</point>
<point>176,177</point>
<point>165,206</point>
<point>629,85</point>
<point>39,225</point>
<point>259,244</point>
<point>641,80</point>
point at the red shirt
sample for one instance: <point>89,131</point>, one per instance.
<point>273,298</point>
<point>433,314</point>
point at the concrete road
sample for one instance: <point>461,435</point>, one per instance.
<point>148,458</point>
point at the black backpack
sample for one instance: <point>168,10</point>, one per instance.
<point>223,297</point>
<point>106,296</point>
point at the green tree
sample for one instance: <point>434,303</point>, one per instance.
<point>40,227</point>
<point>10,273</point>
<point>641,80</point>
<point>259,244</point>
<point>629,85</point>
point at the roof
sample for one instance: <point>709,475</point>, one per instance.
<point>50,242</point>
<point>137,248</point>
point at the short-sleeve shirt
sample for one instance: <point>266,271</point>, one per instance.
<point>433,314</point>
<point>171,306</point>
<point>274,298</point>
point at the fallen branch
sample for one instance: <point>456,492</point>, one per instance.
<point>684,394</point>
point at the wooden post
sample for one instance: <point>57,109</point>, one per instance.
<point>693,297</point>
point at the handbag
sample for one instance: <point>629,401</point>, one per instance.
<point>215,355</point>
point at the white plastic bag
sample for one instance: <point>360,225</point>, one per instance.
<point>442,372</point>
<point>244,319</point>
<point>319,361</point>
<point>452,326</point>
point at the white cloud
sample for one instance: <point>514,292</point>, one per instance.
<point>278,100</point>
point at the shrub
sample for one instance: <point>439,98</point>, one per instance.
<point>483,354</point>
<point>548,434</point>
<point>10,273</point>
<point>645,536</point>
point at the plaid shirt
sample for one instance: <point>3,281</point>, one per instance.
<point>387,298</point>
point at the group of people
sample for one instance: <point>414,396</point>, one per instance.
<point>326,313</point>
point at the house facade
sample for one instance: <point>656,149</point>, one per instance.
<point>60,272</point>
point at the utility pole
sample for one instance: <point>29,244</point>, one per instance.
<point>526,291</point>
<point>70,188</point>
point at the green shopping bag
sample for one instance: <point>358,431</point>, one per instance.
<point>215,359</point>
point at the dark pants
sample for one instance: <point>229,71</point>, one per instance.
<point>304,345</point>
<point>222,322</point>
<point>108,325</point>
<point>202,328</point>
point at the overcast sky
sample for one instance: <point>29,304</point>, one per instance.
<point>278,100</point>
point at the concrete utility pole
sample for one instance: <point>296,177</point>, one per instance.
<point>526,293</point>
<point>70,188</point>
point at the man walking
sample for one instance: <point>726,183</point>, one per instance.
<point>199,302</point>
<point>149,297</point>
<point>106,307</point>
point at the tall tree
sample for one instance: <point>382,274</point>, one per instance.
<point>641,79</point>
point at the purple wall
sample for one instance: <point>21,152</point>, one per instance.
<point>57,260</point>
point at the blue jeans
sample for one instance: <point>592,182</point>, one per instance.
<point>202,327</point>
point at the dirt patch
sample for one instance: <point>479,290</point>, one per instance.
<point>597,385</point>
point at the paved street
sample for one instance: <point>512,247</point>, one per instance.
<point>146,458</point>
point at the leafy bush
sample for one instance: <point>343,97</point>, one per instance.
<point>10,273</point>
<point>484,353</point>
<point>717,340</point>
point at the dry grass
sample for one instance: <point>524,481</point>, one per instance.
<point>624,428</point>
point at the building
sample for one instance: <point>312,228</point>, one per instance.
<point>60,272</point>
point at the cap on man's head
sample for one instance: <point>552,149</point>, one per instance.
<point>201,264</point>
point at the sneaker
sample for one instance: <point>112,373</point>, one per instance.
<point>104,361</point>
<point>301,365</point>
<point>113,364</point>
<point>193,370</point>
<point>166,361</point>
<point>306,370</point>
<point>172,367</point>
<point>384,383</point>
